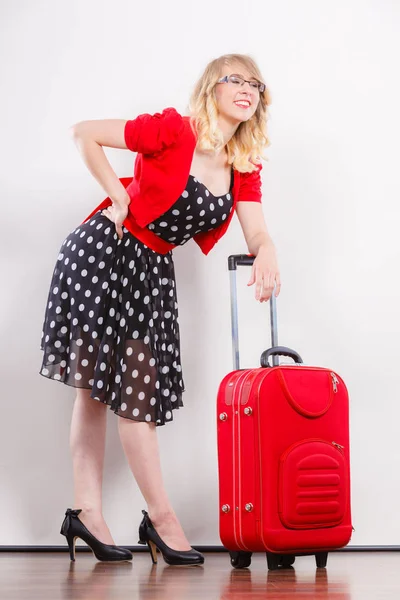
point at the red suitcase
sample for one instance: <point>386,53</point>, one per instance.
<point>283,455</point>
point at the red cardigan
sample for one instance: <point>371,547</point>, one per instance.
<point>165,144</point>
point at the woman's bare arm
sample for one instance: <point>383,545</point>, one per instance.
<point>89,138</point>
<point>251,219</point>
<point>265,271</point>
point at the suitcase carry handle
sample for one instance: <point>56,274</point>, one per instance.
<point>281,351</point>
<point>234,261</point>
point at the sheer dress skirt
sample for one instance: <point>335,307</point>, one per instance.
<point>111,323</point>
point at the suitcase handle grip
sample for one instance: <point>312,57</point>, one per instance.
<point>240,259</point>
<point>282,351</point>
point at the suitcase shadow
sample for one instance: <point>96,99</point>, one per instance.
<point>284,583</point>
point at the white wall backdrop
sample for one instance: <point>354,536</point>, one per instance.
<point>331,200</point>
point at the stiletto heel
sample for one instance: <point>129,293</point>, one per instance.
<point>71,545</point>
<point>148,535</point>
<point>143,540</point>
<point>153,551</point>
<point>72,528</point>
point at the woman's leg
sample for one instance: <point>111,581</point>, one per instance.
<point>140,444</point>
<point>87,444</point>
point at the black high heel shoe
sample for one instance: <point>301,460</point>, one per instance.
<point>72,527</point>
<point>148,535</point>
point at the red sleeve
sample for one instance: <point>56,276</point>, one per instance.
<point>148,134</point>
<point>250,186</point>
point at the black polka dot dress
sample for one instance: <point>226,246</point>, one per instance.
<point>111,321</point>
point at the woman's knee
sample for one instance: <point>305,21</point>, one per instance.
<point>84,399</point>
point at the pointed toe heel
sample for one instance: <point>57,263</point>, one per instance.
<point>73,528</point>
<point>148,535</point>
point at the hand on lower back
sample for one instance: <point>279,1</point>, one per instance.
<point>116,214</point>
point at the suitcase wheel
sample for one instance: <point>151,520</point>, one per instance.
<point>240,560</point>
<point>276,561</point>
<point>273,561</point>
<point>321,559</point>
<point>286,560</point>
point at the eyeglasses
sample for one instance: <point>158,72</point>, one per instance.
<point>237,80</point>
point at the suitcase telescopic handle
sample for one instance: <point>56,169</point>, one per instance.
<point>247,260</point>
<point>234,261</point>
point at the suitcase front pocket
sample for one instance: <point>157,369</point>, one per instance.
<point>310,392</point>
<point>312,485</point>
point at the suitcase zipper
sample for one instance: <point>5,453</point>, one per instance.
<point>339,447</point>
<point>335,382</point>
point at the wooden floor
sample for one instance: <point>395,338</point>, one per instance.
<point>355,576</point>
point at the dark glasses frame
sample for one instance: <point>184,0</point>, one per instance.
<point>254,84</point>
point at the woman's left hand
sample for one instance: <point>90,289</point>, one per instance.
<point>117,215</point>
<point>265,273</point>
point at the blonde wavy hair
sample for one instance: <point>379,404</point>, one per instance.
<point>245,148</point>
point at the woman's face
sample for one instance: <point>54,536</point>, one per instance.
<point>236,103</point>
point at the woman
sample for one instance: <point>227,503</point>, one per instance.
<point>111,324</point>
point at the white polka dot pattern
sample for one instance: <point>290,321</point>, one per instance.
<point>197,205</point>
<point>111,323</point>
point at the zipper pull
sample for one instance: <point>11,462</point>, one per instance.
<point>335,382</point>
<point>338,446</point>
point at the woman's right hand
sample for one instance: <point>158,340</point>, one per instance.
<point>117,214</point>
